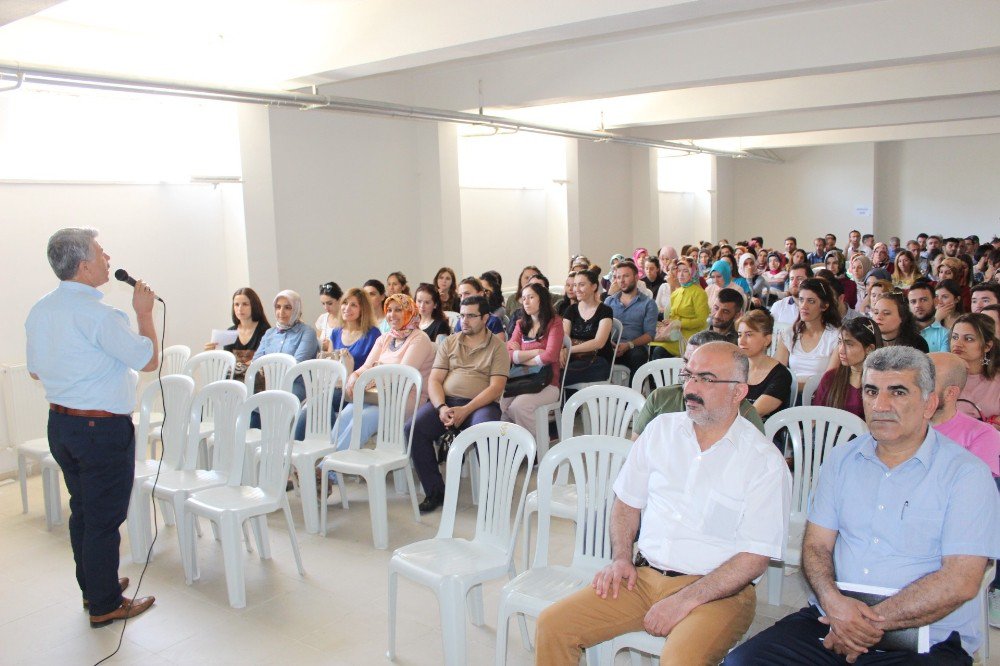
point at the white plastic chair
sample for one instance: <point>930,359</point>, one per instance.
<point>596,461</point>
<point>457,568</point>
<point>173,359</point>
<point>398,387</point>
<point>810,389</point>
<point>176,398</point>
<point>775,331</point>
<point>274,367</point>
<point>542,412</point>
<point>813,431</point>
<point>231,505</point>
<point>321,378</point>
<point>608,409</point>
<point>452,318</point>
<point>662,371</point>
<point>210,366</point>
<point>616,336</point>
<point>51,474</point>
<point>175,486</point>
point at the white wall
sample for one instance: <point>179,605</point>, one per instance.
<point>600,199</point>
<point>948,185</point>
<point>174,236</point>
<point>814,191</point>
<point>685,217</point>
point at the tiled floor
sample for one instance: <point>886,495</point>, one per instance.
<point>335,614</point>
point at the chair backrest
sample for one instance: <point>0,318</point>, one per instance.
<point>776,329</point>
<point>173,359</point>
<point>813,431</point>
<point>176,398</point>
<point>616,337</point>
<point>223,399</point>
<point>609,410</point>
<point>503,449</point>
<point>394,385</point>
<point>810,389</point>
<point>278,411</point>
<point>274,367</point>
<point>210,366</point>
<point>663,372</point>
<point>793,393</point>
<point>321,378</point>
<point>595,461</point>
<point>452,318</point>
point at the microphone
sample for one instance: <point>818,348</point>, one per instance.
<point>122,276</point>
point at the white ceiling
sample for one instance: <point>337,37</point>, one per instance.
<point>733,74</point>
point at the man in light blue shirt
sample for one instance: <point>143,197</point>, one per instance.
<point>86,356</point>
<point>637,313</point>
<point>904,508</point>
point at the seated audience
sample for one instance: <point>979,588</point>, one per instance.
<point>974,340</point>
<point>840,387</point>
<point>330,294</point>
<point>568,297</point>
<point>754,286</point>
<point>728,306</point>
<point>952,268</point>
<point>858,268</point>
<point>250,324</point>
<point>470,287</point>
<point>396,284</point>
<point>433,321</point>
<point>588,324</point>
<point>670,399</point>
<point>983,294</point>
<point>639,259</point>
<point>446,284</point>
<point>799,256</point>
<point>900,507</point>
<point>769,382</point>
<point>806,346</point>
<point>375,291</point>
<point>688,310</point>
<point>536,342</point>
<point>514,300</point>
<point>818,255</point>
<point>720,277</point>
<point>289,335</point>
<point>976,437</point>
<point>493,291</point>
<point>993,312</point>
<point>637,313</point>
<point>404,344</point>
<point>654,277</point>
<point>776,276</point>
<point>846,311</point>
<point>354,339</point>
<point>881,260</point>
<point>876,285</point>
<point>786,309</point>
<point>907,271</point>
<point>921,299</point>
<point>538,278</point>
<point>698,555</point>
<point>948,302</point>
<point>465,385</point>
<point>892,314</point>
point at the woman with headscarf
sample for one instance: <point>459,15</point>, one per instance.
<point>609,277</point>
<point>775,276</point>
<point>289,334</point>
<point>857,270</point>
<point>403,344</point>
<point>688,309</point>
<point>639,259</point>
<point>754,285</point>
<point>719,277</point>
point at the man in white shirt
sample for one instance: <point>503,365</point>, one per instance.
<point>786,311</point>
<point>715,494</point>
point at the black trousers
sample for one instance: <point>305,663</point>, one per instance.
<point>97,457</point>
<point>797,639</point>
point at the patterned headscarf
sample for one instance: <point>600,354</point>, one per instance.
<point>638,257</point>
<point>296,301</point>
<point>410,318</point>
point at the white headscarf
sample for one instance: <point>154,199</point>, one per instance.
<point>296,301</point>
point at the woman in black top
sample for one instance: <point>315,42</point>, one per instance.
<point>895,321</point>
<point>250,324</point>
<point>588,324</point>
<point>432,319</point>
<point>769,382</point>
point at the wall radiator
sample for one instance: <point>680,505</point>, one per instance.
<point>24,401</point>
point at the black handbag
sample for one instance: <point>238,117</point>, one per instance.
<point>527,379</point>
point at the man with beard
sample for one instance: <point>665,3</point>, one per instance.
<point>637,313</point>
<point>901,507</point>
<point>728,305</point>
<point>716,494</point>
<point>790,246</point>
<point>921,298</point>
<point>786,311</point>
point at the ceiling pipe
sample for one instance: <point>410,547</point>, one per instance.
<point>312,102</point>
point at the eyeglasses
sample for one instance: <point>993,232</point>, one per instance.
<point>704,378</point>
<point>469,317</point>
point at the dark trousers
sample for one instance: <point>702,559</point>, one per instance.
<point>797,639</point>
<point>97,457</point>
<point>633,359</point>
<point>593,369</point>
<point>427,427</point>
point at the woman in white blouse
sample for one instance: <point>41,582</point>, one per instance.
<point>330,294</point>
<point>806,346</point>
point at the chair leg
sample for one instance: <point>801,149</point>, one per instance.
<point>503,620</point>
<point>398,481</point>
<point>377,503</point>
<point>192,553</point>
<point>260,532</point>
<point>526,537</point>
<point>168,514</point>
<point>53,501</point>
<point>413,492</point>
<point>390,653</point>
<point>307,486</point>
<point>474,599</point>
<point>233,560</point>
<point>522,623</point>
<point>22,478</point>
<point>324,488</point>
<point>452,602</point>
<point>775,574</point>
<point>185,532</point>
<point>343,491</point>
<point>138,524</point>
<point>291,535</point>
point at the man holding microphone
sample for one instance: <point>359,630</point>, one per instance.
<point>86,356</point>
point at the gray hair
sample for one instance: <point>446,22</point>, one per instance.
<point>67,248</point>
<point>899,358</point>
<point>740,361</point>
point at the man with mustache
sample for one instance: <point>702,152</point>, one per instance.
<point>716,494</point>
<point>902,507</point>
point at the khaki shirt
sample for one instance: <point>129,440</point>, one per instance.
<point>470,368</point>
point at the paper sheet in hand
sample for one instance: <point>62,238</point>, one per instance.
<point>223,338</point>
<point>915,639</point>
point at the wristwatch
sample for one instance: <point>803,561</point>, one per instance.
<point>631,345</point>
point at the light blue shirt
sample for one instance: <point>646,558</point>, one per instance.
<point>637,317</point>
<point>937,337</point>
<point>85,351</point>
<point>894,525</point>
<point>299,341</point>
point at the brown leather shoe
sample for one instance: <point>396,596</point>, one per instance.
<point>121,581</point>
<point>127,609</point>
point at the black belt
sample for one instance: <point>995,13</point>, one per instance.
<point>641,561</point>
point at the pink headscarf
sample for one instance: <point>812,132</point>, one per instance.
<point>638,256</point>
<point>410,318</point>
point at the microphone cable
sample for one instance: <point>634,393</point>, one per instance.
<point>159,465</point>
